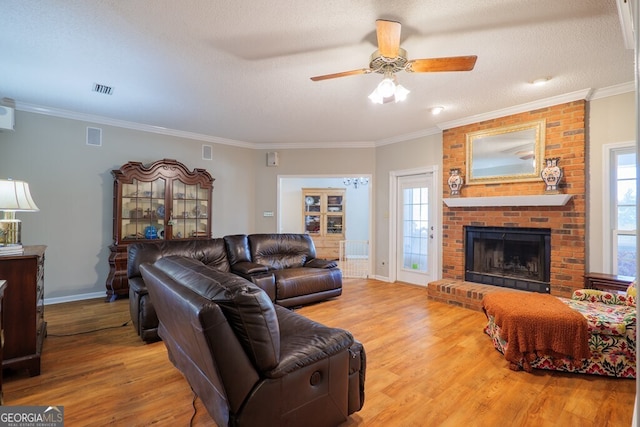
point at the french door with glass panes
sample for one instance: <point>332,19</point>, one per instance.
<point>416,229</point>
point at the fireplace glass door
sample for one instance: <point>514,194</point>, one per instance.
<point>511,257</point>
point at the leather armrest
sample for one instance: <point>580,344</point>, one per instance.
<point>137,285</point>
<point>320,263</point>
<point>248,268</point>
<point>266,282</point>
<point>304,342</point>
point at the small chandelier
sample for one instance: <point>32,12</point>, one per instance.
<point>388,90</point>
<point>355,181</point>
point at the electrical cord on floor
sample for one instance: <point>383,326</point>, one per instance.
<point>193,403</point>
<point>90,331</point>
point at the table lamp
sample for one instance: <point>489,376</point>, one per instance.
<point>14,197</point>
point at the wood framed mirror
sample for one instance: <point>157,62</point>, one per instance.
<point>506,154</point>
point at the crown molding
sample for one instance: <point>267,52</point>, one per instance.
<point>297,145</point>
<point>522,108</point>
<point>408,136</point>
<point>613,90</point>
<point>73,115</point>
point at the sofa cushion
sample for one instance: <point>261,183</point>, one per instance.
<point>605,319</point>
<point>293,282</point>
<point>247,308</point>
<point>282,250</point>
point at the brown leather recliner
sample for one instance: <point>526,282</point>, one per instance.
<point>285,266</point>
<point>211,252</point>
<point>252,362</point>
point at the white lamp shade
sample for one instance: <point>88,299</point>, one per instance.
<point>401,93</point>
<point>16,197</point>
<point>386,88</point>
<point>375,97</point>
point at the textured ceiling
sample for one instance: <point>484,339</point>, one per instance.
<point>239,70</point>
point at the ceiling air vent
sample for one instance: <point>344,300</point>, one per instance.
<point>107,90</point>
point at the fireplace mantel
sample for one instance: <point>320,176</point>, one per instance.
<point>532,200</point>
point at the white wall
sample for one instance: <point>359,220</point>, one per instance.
<point>611,120</point>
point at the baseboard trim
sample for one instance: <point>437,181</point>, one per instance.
<point>70,298</point>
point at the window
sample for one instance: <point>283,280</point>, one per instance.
<point>623,211</point>
<point>415,230</point>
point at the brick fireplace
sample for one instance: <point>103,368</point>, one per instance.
<point>564,138</point>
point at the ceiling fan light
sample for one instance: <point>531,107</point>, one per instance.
<point>401,93</point>
<point>375,97</point>
<point>386,88</point>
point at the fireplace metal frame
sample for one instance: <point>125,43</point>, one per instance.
<point>524,234</point>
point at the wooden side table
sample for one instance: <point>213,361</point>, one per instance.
<point>24,326</point>
<point>607,282</point>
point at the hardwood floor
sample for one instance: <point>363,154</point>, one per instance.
<point>428,364</point>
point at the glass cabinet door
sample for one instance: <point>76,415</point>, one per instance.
<point>190,210</point>
<point>312,217</point>
<point>142,215</point>
<point>335,214</point>
<point>334,224</point>
<point>335,203</point>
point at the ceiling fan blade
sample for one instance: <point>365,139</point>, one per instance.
<point>342,74</point>
<point>388,33</point>
<point>451,63</point>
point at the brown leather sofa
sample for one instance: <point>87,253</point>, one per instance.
<point>252,362</point>
<point>283,265</point>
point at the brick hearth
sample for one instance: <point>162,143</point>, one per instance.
<point>463,294</point>
<point>564,138</point>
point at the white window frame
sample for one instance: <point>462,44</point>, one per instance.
<point>609,195</point>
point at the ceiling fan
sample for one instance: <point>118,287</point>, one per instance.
<point>390,58</point>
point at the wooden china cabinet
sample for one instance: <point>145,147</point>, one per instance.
<point>162,200</point>
<point>324,219</point>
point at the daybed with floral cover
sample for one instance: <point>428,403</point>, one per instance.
<point>611,326</point>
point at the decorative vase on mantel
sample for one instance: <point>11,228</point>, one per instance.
<point>552,175</point>
<point>455,182</point>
